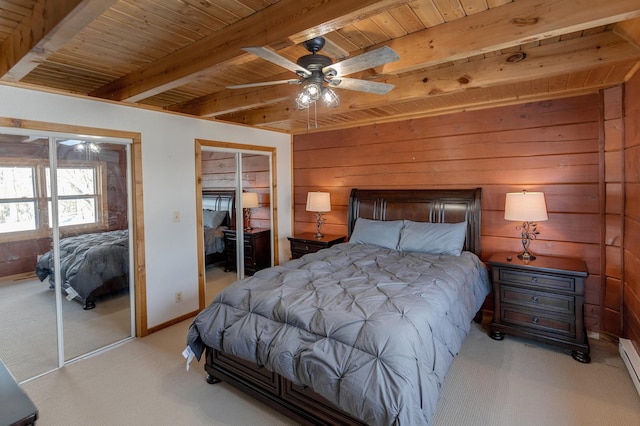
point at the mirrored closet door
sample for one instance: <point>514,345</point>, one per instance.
<point>65,247</point>
<point>246,243</point>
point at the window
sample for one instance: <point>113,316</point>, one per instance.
<point>25,196</point>
<point>77,195</point>
<point>17,199</point>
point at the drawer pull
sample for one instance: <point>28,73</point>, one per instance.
<point>306,247</point>
<point>534,279</point>
<point>534,320</point>
<point>535,299</point>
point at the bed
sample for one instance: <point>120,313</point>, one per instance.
<point>91,265</point>
<point>363,332</point>
<point>217,215</point>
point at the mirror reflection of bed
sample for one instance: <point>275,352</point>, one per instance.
<point>95,303</point>
<point>218,207</point>
<point>92,266</point>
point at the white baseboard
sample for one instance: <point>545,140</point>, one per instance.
<point>631,360</point>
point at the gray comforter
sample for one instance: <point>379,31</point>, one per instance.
<point>214,240</point>
<point>372,330</point>
<point>87,261</point>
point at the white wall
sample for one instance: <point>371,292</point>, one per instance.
<point>168,170</point>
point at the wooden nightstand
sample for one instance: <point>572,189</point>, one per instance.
<point>302,244</point>
<point>257,250</point>
<point>542,300</point>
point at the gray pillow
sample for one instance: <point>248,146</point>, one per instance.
<point>433,238</point>
<point>213,218</point>
<point>383,233</point>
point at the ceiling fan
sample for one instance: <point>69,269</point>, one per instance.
<point>314,70</point>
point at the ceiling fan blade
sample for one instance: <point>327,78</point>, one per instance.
<point>264,83</point>
<point>361,85</point>
<point>371,59</point>
<point>273,57</point>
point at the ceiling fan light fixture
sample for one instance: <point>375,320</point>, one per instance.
<point>330,98</point>
<point>303,100</point>
<point>313,90</point>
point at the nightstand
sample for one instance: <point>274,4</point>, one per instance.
<point>257,250</point>
<point>542,300</point>
<point>304,243</point>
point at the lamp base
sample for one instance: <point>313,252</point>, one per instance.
<point>526,256</point>
<point>318,236</point>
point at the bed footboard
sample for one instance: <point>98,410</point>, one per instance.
<point>297,402</point>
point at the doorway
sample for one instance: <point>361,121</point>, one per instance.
<point>248,240</point>
<point>66,288</point>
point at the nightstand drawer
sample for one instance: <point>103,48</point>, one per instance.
<point>538,320</point>
<point>538,300</point>
<point>554,282</point>
<point>306,246</point>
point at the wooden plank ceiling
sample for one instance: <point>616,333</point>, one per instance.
<point>180,55</point>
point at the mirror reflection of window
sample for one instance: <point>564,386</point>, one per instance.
<point>17,199</point>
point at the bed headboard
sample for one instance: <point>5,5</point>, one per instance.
<point>420,205</point>
<point>219,200</point>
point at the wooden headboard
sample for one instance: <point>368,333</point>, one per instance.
<point>219,200</point>
<point>420,205</point>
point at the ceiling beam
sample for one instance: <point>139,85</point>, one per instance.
<point>232,100</point>
<point>50,25</point>
<point>629,30</point>
<point>541,61</point>
<point>510,25</point>
<point>417,113</point>
<point>502,27</point>
<point>287,19</point>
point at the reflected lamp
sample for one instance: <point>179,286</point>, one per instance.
<point>319,202</point>
<point>528,208</point>
<point>249,201</point>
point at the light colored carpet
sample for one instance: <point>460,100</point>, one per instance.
<point>28,326</point>
<point>513,382</point>
<point>216,280</point>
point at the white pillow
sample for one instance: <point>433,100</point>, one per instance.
<point>433,238</point>
<point>383,233</point>
<point>213,218</point>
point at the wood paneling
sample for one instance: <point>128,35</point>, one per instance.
<point>219,172</point>
<point>631,271</point>
<point>552,146</point>
<point>611,325</point>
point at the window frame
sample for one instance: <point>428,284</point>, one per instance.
<point>43,227</point>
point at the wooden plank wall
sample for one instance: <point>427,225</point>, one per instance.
<point>611,319</point>
<point>552,146</point>
<point>631,315</point>
<point>219,172</point>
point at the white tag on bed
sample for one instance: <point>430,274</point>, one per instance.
<point>71,293</point>
<point>188,355</point>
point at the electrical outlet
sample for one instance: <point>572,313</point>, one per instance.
<point>179,297</point>
<point>176,216</point>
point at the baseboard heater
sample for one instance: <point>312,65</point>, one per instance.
<point>631,360</point>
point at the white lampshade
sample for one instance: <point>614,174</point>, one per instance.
<point>318,202</point>
<point>525,207</point>
<point>249,200</point>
